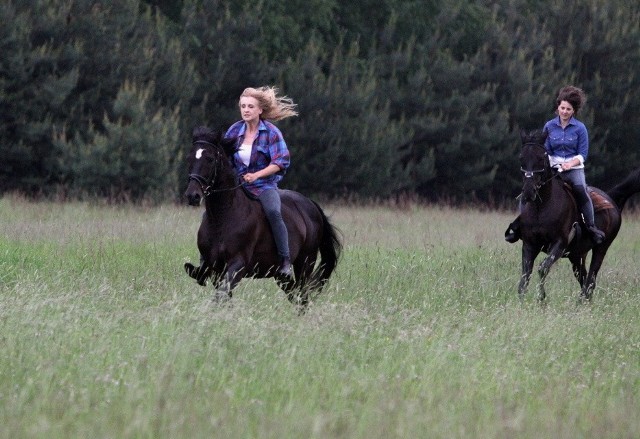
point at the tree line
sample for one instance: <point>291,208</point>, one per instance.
<point>417,98</point>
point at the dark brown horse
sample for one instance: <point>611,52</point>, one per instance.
<point>235,238</point>
<point>550,219</point>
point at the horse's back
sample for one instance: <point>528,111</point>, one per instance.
<point>301,207</point>
<point>601,200</point>
<point>296,199</point>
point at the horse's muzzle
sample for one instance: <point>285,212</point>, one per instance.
<point>194,200</point>
<point>530,192</point>
<point>194,197</point>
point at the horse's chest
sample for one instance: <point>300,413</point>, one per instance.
<point>541,228</point>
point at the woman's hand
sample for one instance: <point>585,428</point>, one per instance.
<point>249,178</point>
<point>269,170</point>
<point>570,164</point>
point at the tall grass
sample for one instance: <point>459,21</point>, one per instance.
<point>419,334</point>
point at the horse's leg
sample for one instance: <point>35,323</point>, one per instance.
<point>200,273</point>
<point>579,269</point>
<point>597,257</point>
<point>529,254</point>
<point>298,293</point>
<point>555,253</point>
<point>228,281</point>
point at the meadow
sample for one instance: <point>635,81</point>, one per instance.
<point>419,334</point>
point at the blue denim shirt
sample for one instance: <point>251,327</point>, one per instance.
<point>564,144</point>
<point>268,148</point>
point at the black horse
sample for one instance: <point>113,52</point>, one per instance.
<point>235,238</point>
<point>550,219</point>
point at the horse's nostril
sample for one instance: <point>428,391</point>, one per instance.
<point>193,199</point>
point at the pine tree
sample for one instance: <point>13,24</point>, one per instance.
<point>134,158</point>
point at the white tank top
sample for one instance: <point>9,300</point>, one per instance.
<point>245,153</point>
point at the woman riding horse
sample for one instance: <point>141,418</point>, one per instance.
<point>235,239</point>
<point>567,145</point>
<point>261,160</point>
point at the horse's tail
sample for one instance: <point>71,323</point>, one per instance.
<point>330,250</point>
<point>621,192</point>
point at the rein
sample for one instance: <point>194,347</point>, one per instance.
<point>531,173</point>
<point>207,185</point>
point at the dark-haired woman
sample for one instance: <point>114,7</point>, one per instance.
<point>568,147</point>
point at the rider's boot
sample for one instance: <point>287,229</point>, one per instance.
<point>597,235</point>
<point>586,208</point>
<point>285,270</point>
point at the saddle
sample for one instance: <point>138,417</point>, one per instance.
<point>600,202</point>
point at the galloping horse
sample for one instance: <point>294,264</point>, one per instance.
<point>235,239</point>
<point>550,220</point>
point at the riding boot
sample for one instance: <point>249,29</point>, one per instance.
<point>512,234</point>
<point>285,270</point>
<point>597,235</point>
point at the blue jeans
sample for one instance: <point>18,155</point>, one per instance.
<point>575,177</point>
<point>270,200</point>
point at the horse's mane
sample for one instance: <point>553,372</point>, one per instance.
<point>203,133</point>
<point>213,137</point>
<point>534,136</point>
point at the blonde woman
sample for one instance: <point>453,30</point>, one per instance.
<point>261,160</point>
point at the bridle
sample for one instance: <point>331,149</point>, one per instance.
<point>530,173</point>
<point>207,185</point>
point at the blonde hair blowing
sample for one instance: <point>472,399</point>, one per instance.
<point>273,107</point>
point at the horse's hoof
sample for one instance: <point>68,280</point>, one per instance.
<point>512,234</point>
<point>196,273</point>
<point>511,237</point>
<point>300,301</point>
<point>221,297</point>
<point>189,268</point>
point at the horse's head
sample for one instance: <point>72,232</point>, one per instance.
<point>534,163</point>
<point>209,164</point>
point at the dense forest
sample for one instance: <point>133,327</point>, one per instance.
<point>397,98</point>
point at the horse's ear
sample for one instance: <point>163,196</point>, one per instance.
<point>523,135</point>
<point>206,134</point>
<point>545,134</point>
<point>229,146</point>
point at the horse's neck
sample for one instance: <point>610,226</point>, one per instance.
<point>224,204</point>
<point>555,194</point>
<point>227,198</point>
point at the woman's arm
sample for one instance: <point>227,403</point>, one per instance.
<point>265,172</point>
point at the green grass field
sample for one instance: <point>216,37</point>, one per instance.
<point>420,334</point>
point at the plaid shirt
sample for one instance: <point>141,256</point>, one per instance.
<point>268,148</point>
